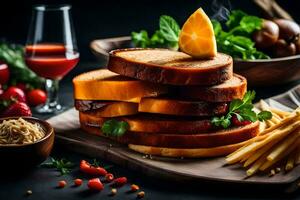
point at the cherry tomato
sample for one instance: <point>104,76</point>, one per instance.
<point>36,97</point>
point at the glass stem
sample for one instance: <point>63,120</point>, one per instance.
<point>52,92</point>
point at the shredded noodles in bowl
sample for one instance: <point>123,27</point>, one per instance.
<point>20,131</point>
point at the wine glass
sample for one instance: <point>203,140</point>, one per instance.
<point>51,50</point>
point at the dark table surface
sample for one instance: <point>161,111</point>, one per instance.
<point>43,181</point>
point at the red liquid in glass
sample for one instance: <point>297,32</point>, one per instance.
<point>51,61</point>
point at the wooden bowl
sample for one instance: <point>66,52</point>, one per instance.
<point>264,72</point>
<point>27,155</point>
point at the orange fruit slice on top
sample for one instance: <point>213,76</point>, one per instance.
<point>197,36</point>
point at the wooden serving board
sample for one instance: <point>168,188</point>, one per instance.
<point>212,169</point>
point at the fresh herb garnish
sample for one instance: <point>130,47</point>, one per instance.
<point>96,163</point>
<point>236,40</point>
<point>114,128</point>
<point>167,35</point>
<point>243,110</point>
<point>13,55</point>
<point>62,165</point>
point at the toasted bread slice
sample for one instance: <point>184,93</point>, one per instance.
<point>186,152</point>
<point>175,140</point>
<point>105,85</point>
<point>234,88</point>
<point>170,67</point>
<point>155,124</point>
<point>106,108</point>
<point>177,107</point>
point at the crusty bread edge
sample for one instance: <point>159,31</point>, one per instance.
<point>214,94</point>
<point>166,75</point>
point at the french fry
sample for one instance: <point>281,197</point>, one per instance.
<point>294,116</point>
<point>262,126</point>
<point>284,145</point>
<point>291,161</point>
<point>266,107</point>
<point>268,164</point>
<point>248,142</point>
<point>255,167</point>
<point>275,120</point>
<point>270,123</point>
<point>259,153</point>
<point>245,158</point>
<point>276,134</point>
<point>280,113</point>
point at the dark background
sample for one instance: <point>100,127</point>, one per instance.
<point>111,18</point>
<point>104,19</point>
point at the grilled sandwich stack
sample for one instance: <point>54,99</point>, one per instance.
<point>167,98</point>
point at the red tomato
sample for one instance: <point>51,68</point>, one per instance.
<point>87,168</point>
<point>4,73</point>
<point>13,93</point>
<point>36,97</point>
<point>95,184</point>
<point>62,184</point>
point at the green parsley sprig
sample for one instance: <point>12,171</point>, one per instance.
<point>62,165</point>
<point>114,128</point>
<point>166,37</point>
<point>243,109</point>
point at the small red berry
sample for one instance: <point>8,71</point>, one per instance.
<point>134,188</point>
<point>62,184</point>
<point>119,182</point>
<point>78,182</point>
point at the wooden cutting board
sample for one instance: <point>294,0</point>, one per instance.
<point>213,169</point>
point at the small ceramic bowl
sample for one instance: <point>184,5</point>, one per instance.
<point>264,72</point>
<point>27,155</point>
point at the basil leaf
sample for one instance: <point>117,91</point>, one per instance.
<point>140,39</point>
<point>264,115</point>
<point>169,28</point>
<point>114,128</point>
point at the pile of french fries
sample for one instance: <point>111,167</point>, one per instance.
<point>276,147</point>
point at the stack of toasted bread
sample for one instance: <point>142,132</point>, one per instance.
<point>168,100</point>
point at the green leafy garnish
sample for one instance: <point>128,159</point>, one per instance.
<point>169,28</point>
<point>243,110</point>
<point>114,128</point>
<point>62,165</point>
<point>96,163</point>
<point>237,41</point>
<point>13,55</point>
<point>166,37</point>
